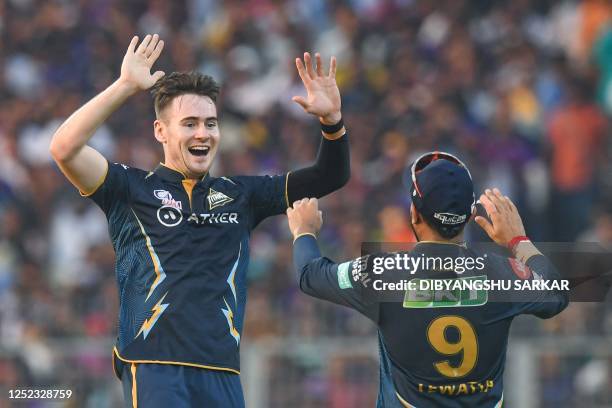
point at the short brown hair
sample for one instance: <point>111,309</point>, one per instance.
<point>181,83</point>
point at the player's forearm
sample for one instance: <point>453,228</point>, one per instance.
<point>525,250</point>
<point>76,131</point>
<point>305,249</point>
<point>330,172</point>
<point>527,253</point>
<point>312,270</point>
<point>553,301</point>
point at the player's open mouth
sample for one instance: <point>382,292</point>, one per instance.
<point>199,150</point>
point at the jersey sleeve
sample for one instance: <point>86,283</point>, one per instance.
<point>338,283</point>
<point>545,303</point>
<point>267,195</point>
<point>331,171</point>
<point>114,188</point>
<point>541,303</point>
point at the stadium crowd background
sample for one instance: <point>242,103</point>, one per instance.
<point>520,90</point>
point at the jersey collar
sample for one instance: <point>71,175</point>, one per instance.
<point>170,174</point>
<point>460,244</point>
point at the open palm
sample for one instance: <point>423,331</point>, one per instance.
<point>137,62</point>
<point>323,95</point>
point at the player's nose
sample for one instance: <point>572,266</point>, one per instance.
<point>201,133</point>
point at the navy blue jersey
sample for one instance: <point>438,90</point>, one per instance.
<point>182,251</point>
<point>446,351</point>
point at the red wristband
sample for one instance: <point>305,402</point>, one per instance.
<point>515,241</point>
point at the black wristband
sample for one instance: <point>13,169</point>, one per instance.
<point>331,129</point>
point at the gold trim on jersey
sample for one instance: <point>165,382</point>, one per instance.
<point>461,244</point>
<point>403,401</point>
<point>188,185</point>
<point>334,136</point>
<point>134,386</point>
<point>287,189</point>
<point>117,374</point>
<point>98,185</point>
<point>303,234</point>
<point>207,367</point>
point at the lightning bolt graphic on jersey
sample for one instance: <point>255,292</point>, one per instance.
<point>232,275</point>
<point>160,275</point>
<point>148,324</point>
<point>229,315</point>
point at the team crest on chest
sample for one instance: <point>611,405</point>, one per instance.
<point>217,199</point>
<point>167,200</point>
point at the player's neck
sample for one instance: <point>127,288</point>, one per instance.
<point>185,174</point>
<point>430,235</point>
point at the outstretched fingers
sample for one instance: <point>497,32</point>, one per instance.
<point>156,51</point>
<point>308,63</point>
<point>319,64</point>
<point>512,205</point>
<point>488,205</point>
<point>144,44</point>
<point>503,200</point>
<point>302,71</point>
<point>485,225</point>
<point>132,46</point>
<point>151,46</point>
<point>301,101</point>
<point>332,67</point>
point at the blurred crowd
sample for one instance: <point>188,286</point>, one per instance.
<point>521,90</point>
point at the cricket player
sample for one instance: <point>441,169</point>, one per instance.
<point>181,235</point>
<point>436,351</point>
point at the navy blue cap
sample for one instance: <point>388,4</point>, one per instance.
<point>446,193</point>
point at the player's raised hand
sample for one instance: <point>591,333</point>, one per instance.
<point>137,62</point>
<point>323,95</point>
<point>305,217</point>
<point>505,219</point>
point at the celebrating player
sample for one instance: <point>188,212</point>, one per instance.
<point>181,236</point>
<point>442,351</point>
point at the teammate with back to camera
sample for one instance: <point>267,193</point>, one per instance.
<point>181,236</point>
<point>436,354</point>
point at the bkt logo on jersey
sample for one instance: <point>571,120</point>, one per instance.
<point>169,214</point>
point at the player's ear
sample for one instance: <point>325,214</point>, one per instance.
<point>160,131</point>
<point>474,212</point>
<point>414,215</point>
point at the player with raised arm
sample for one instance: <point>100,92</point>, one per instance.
<point>181,236</point>
<point>438,349</point>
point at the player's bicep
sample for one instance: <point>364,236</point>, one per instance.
<point>267,195</point>
<point>86,170</point>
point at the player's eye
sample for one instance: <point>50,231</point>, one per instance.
<point>190,125</point>
<point>211,124</point>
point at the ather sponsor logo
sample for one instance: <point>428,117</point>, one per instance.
<point>214,218</point>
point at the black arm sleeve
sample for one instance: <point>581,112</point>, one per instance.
<point>330,172</point>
